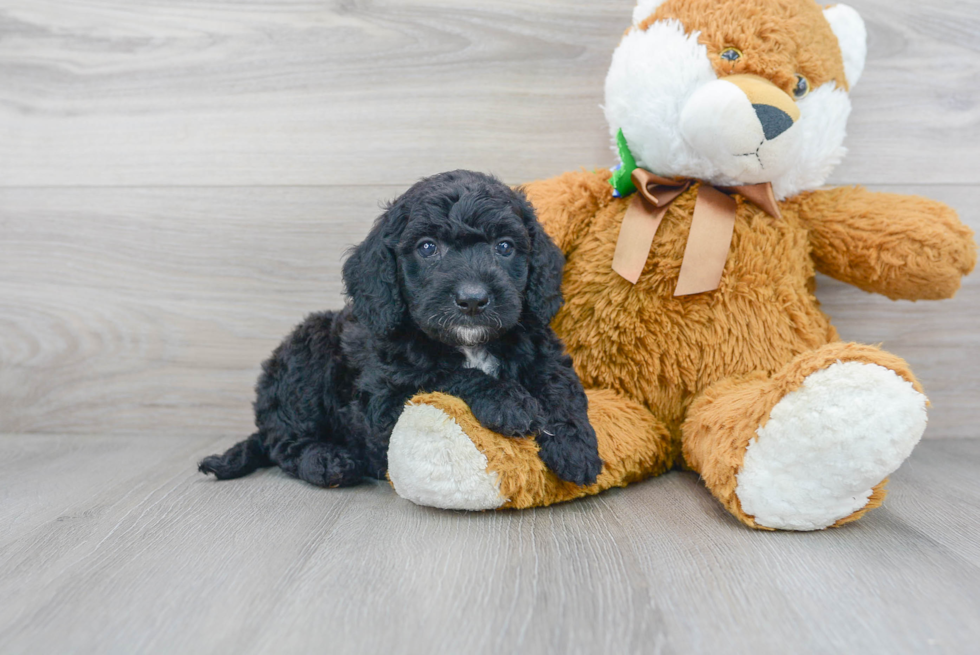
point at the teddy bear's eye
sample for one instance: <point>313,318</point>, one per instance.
<point>731,54</point>
<point>802,87</point>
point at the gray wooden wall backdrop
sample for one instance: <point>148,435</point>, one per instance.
<point>180,178</point>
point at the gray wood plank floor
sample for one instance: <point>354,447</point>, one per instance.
<point>116,545</point>
<point>234,92</point>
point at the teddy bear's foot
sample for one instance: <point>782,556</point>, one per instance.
<point>828,444</point>
<point>839,421</point>
<point>432,462</point>
<point>439,455</point>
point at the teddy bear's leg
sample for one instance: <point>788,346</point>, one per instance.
<point>810,446</point>
<point>439,455</point>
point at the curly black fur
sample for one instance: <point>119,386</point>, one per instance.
<point>430,283</point>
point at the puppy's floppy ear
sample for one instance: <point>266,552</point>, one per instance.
<point>542,297</point>
<point>371,275</point>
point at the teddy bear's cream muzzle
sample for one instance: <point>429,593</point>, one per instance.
<point>744,125</point>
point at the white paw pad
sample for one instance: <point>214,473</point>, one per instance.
<point>825,446</point>
<point>432,462</point>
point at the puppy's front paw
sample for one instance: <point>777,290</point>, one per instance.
<point>511,414</point>
<point>571,452</point>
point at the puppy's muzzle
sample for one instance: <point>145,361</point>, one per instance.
<point>472,298</point>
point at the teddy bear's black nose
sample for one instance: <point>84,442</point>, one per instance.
<point>774,120</point>
<point>472,299</point>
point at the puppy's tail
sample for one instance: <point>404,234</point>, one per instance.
<point>239,460</point>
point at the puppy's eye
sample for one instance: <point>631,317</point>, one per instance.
<point>427,248</point>
<point>731,54</point>
<point>505,248</point>
<point>802,87</point>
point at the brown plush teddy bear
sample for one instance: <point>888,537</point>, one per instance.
<point>689,285</point>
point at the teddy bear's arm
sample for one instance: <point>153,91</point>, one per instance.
<point>566,204</point>
<point>903,247</point>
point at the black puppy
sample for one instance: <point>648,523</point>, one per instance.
<point>453,290</point>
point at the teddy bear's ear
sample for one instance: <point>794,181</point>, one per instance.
<point>852,37</point>
<point>643,9</point>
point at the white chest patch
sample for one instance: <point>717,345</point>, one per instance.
<point>479,357</point>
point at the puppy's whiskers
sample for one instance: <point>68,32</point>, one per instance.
<point>472,336</point>
<point>493,316</point>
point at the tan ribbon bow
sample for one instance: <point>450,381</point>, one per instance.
<point>711,228</point>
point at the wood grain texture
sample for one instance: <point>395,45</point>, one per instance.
<point>235,92</point>
<point>148,311</point>
<point>116,545</point>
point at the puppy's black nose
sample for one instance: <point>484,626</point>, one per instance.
<point>472,299</point>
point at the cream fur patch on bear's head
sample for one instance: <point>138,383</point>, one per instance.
<point>737,93</point>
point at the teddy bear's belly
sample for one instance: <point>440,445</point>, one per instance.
<point>660,350</point>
